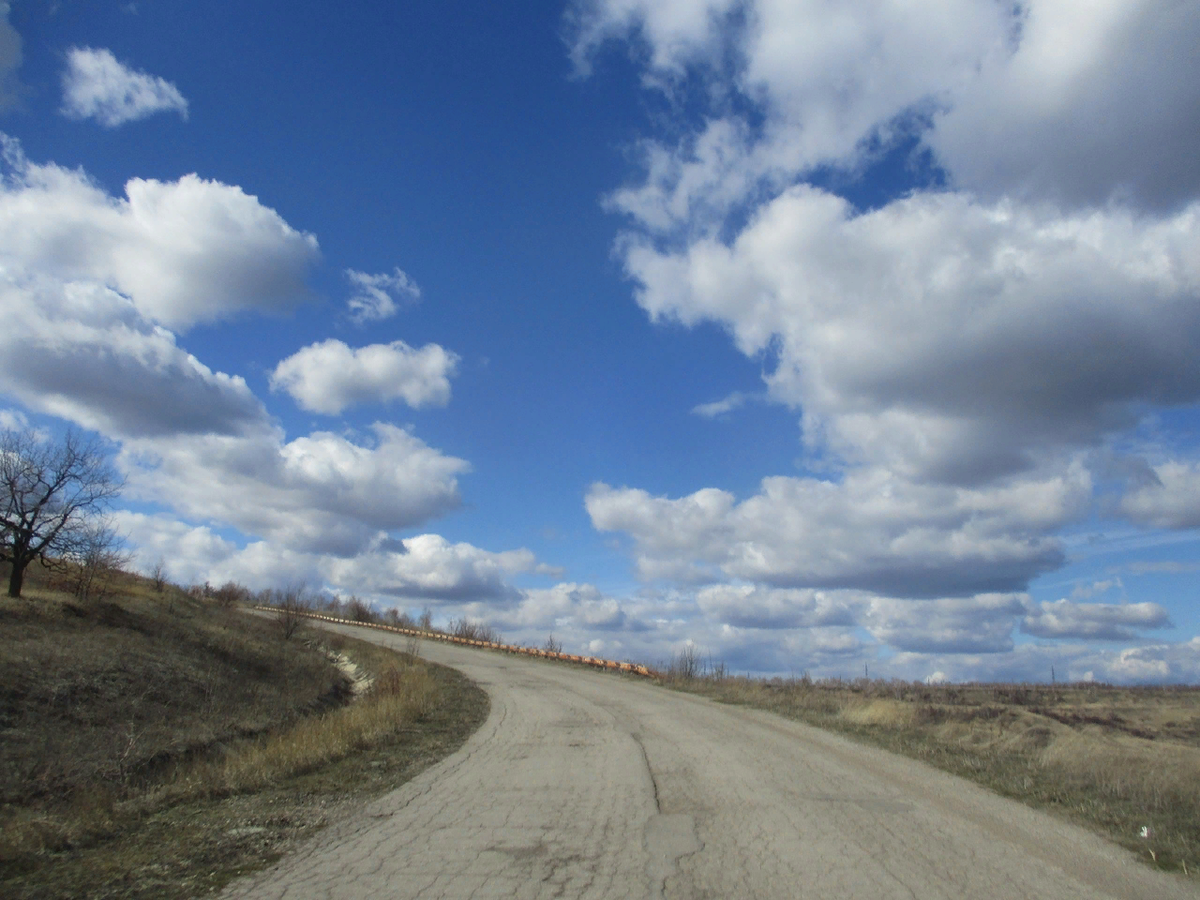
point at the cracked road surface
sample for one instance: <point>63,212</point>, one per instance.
<point>585,784</point>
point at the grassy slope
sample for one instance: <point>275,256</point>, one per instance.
<point>135,730</point>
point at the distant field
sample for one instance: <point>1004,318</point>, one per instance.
<point>1113,759</point>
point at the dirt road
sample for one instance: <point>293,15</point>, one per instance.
<point>583,784</point>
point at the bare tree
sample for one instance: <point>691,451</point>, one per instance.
<point>98,557</point>
<point>292,609</point>
<point>158,575</point>
<point>50,493</point>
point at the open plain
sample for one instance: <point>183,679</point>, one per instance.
<point>585,784</point>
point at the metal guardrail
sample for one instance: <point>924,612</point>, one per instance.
<point>594,661</point>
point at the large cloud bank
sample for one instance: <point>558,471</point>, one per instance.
<point>95,290</point>
<point>958,354</point>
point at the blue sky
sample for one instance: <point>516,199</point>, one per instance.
<point>818,335</point>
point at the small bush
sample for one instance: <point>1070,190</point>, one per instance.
<point>232,594</point>
<point>473,631</point>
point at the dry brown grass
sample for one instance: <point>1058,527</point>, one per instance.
<point>113,709</point>
<point>400,695</point>
<point>1111,759</point>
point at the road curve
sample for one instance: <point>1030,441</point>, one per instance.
<point>586,784</point>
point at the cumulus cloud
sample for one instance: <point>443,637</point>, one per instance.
<point>1147,663</point>
<point>185,251</point>
<point>97,86</point>
<point>189,554</point>
<point>568,607</point>
<point>750,606</point>
<point>980,624</point>
<point>329,376</point>
<point>1096,621</point>
<point>317,493</point>
<point>380,296</point>
<point>946,338</point>
<point>428,567</point>
<point>872,531</point>
<point>1172,500</point>
<point>89,286</point>
<point>83,352</point>
<point>425,569</point>
<point>1018,100</point>
<point>1062,113</point>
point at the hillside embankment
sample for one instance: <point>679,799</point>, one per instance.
<point>155,743</point>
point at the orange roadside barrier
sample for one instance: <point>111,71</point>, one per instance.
<point>491,645</point>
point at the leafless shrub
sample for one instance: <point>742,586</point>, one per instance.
<point>473,631</point>
<point>96,559</point>
<point>231,594</point>
<point>685,665</point>
<point>158,576</point>
<point>412,646</point>
<point>359,610</point>
<point>399,619</point>
<point>551,645</point>
<point>291,606</point>
<point>425,623</point>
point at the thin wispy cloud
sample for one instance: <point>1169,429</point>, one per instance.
<point>97,86</point>
<point>378,297</point>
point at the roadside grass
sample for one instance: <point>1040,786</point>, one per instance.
<point>1111,759</point>
<point>153,707</point>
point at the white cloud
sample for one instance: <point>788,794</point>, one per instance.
<point>422,570</point>
<point>1094,101</point>
<point>428,567</point>
<point>319,493</point>
<point>13,420</point>
<point>1093,621</point>
<point>873,531</point>
<point>726,404</point>
<point>83,352</point>
<point>1087,591</point>
<point>569,609</point>
<point>980,624</point>
<point>1164,662</point>
<point>97,86</point>
<point>1172,500</point>
<point>184,252</point>
<point>945,338</point>
<point>86,282</point>
<point>380,296</point>
<point>1040,99</point>
<point>329,376</point>
<point>189,554</point>
<point>747,606</point>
